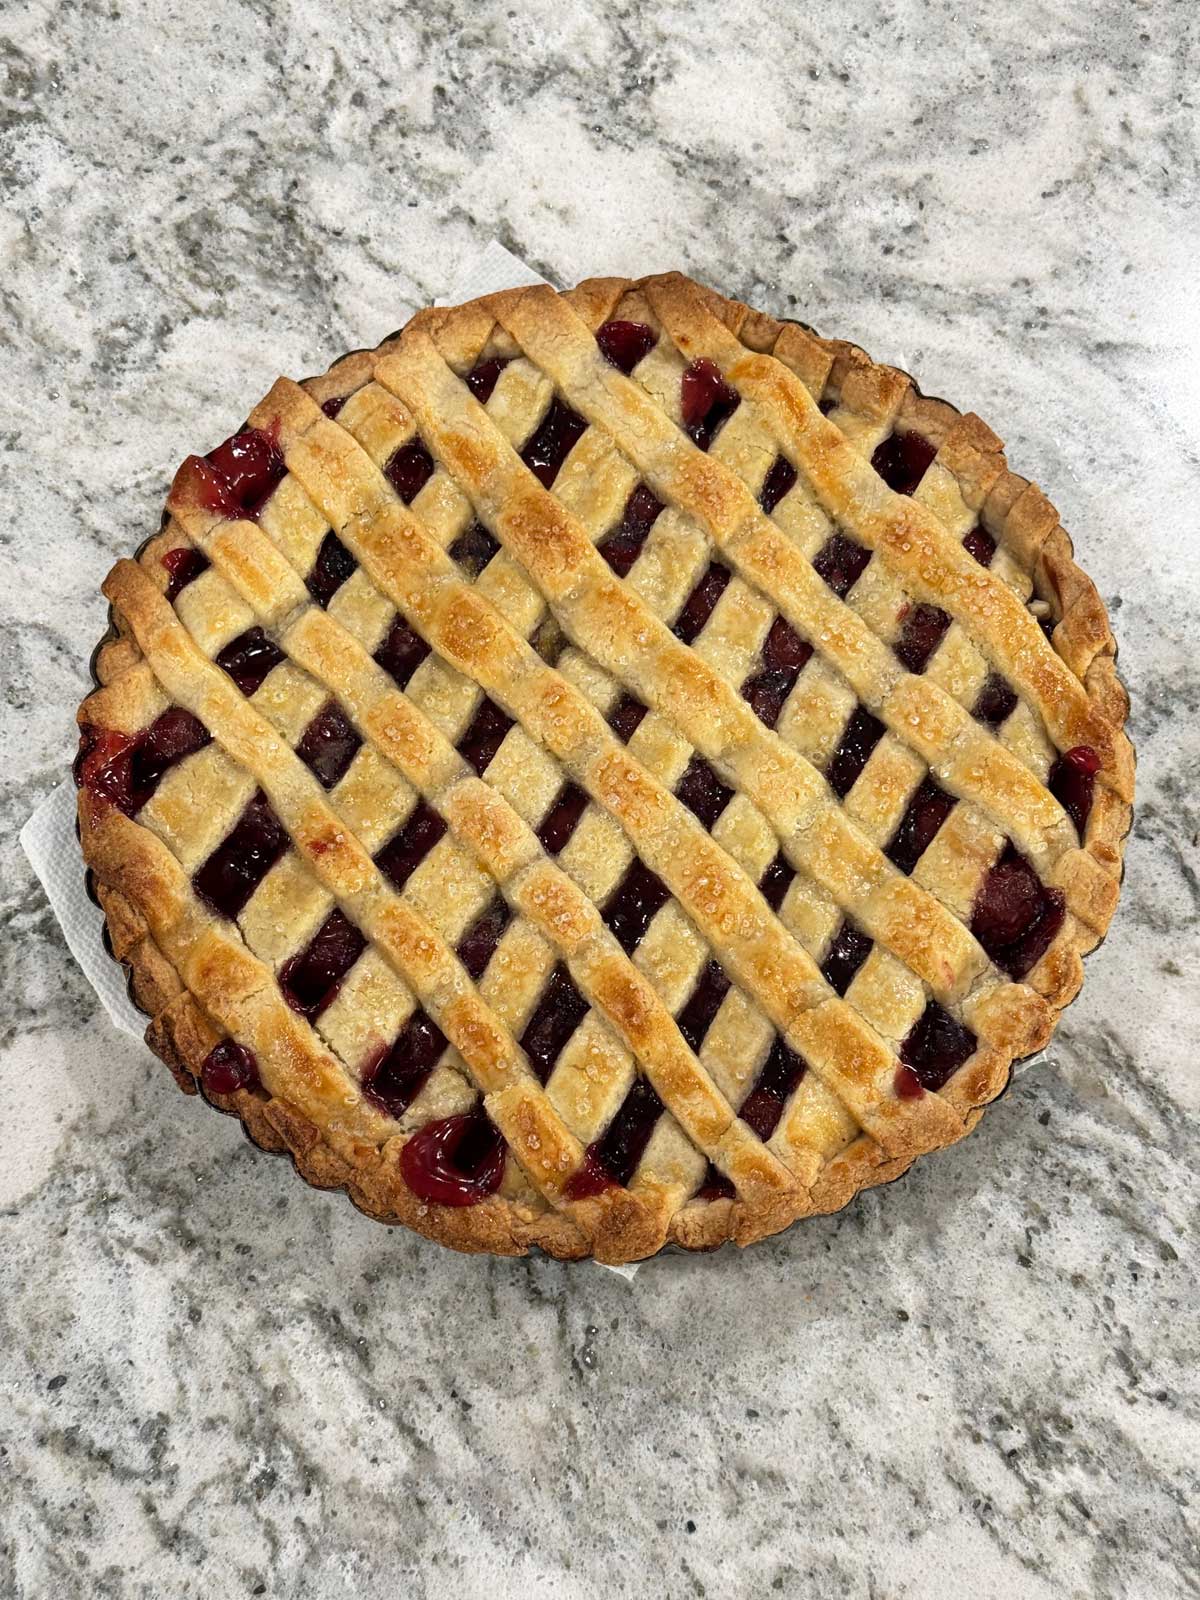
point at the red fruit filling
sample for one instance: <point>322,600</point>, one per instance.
<point>923,630</point>
<point>183,564</point>
<point>229,1067</point>
<point>784,656</point>
<point>410,844</point>
<point>616,1153</point>
<point>778,481</point>
<point>552,441</point>
<point>715,1186</point>
<point>249,658</point>
<point>333,566</point>
<point>456,1161</point>
<point>481,380</point>
<point>902,460</point>
<point>841,562</point>
<point>623,545</point>
<point>936,1046</point>
<point>981,545</point>
<point>1073,783</point>
<point>125,769</point>
<point>591,1179</point>
<point>763,1106</point>
<point>311,979</point>
<point>237,478</point>
<point>409,470</point>
<point>1015,916</point>
<point>394,1079</point>
<point>706,401</point>
<point>624,344</point>
<point>240,862</point>
<point>329,744</point>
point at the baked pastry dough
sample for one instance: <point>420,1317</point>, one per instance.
<point>603,769</point>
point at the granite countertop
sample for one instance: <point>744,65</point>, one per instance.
<point>980,1381</point>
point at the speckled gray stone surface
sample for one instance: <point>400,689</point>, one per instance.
<point>979,1382</point>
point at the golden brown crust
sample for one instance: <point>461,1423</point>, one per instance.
<point>845,1127</point>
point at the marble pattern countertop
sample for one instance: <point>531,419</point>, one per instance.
<point>979,1382</point>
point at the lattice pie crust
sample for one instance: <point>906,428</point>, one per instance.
<point>603,769</point>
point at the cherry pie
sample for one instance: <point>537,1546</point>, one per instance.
<point>604,769</point>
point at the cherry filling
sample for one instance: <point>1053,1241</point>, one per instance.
<point>936,1046</point>
<point>456,1161</point>
<point>591,1178</point>
<point>923,630</point>
<point>714,1186</point>
<point>102,764</point>
<point>624,544</point>
<point>763,1106</point>
<point>237,478</point>
<point>474,549</point>
<point>906,1084</point>
<point>702,792</point>
<point>229,1067</point>
<point>1073,783</point>
<point>553,440</point>
<point>784,656</point>
<point>478,944</point>
<point>333,566</point>
<point>924,815</point>
<point>849,950</point>
<point>481,380</point>
<point>171,737</point>
<point>619,1149</point>
<point>409,470</point>
<point>407,848</point>
<point>778,481</point>
<point>902,460</point>
<point>862,733</point>
<point>1016,916</point>
<point>485,735</point>
<point>981,545</point>
<point>841,562</point>
<point>703,1004</point>
<point>701,603</point>
<point>393,1081</point>
<point>249,658</point>
<point>556,1016</point>
<point>626,716</point>
<point>995,702</point>
<point>310,980</point>
<point>125,769</point>
<point>402,651</point>
<point>329,744</point>
<point>706,401</point>
<point>239,864</point>
<point>776,881</point>
<point>333,405</point>
<point>633,904</point>
<point>624,344</point>
<point>183,564</point>
<point>560,822</point>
